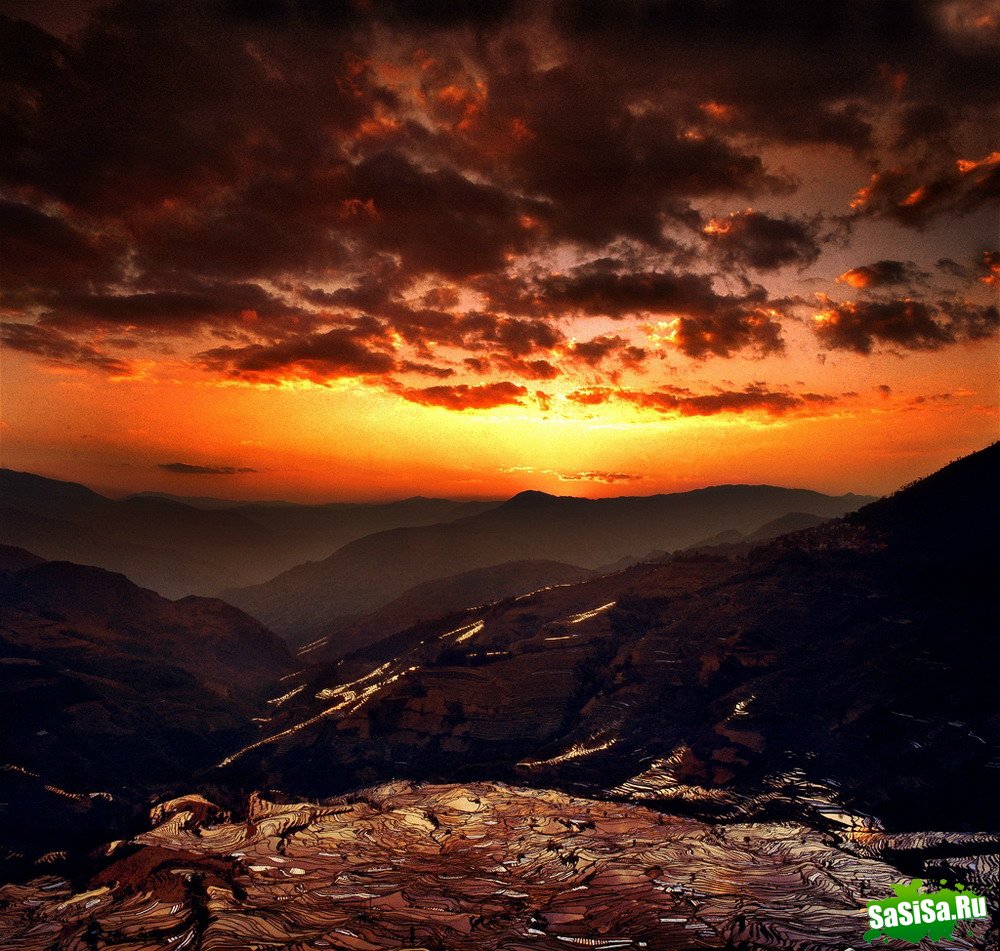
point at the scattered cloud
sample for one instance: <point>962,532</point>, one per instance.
<point>184,468</point>
<point>905,324</point>
<point>755,398</point>
<point>388,191</point>
<point>55,347</point>
<point>754,239</point>
<point>913,198</point>
<point>348,351</point>
<point>608,478</point>
<point>881,274</point>
<point>988,268</point>
<point>463,397</point>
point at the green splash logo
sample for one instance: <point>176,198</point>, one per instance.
<point>912,916</point>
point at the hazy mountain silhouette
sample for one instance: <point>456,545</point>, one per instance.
<point>109,692</point>
<point>731,542</point>
<point>848,666</point>
<point>178,548</point>
<point>366,574</point>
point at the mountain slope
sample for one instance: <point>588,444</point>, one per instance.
<point>13,559</point>
<point>443,596</point>
<point>109,692</point>
<point>370,572</point>
<point>176,548</point>
<point>846,668</point>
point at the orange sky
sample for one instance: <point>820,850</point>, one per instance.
<point>471,258</point>
<point>352,440</point>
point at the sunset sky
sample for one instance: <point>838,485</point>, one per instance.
<point>352,251</point>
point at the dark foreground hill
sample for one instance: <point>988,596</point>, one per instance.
<point>309,600</point>
<point>177,548</point>
<point>110,693</point>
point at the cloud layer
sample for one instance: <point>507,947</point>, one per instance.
<point>460,204</point>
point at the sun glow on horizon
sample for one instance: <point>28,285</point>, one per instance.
<point>393,260</point>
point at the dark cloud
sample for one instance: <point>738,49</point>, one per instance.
<point>931,398</point>
<point>903,324</point>
<point>463,396</point>
<point>56,347</point>
<point>404,14</point>
<point>988,268</point>
<point>528,369</point>
<point>357,189</point>
<point>760,241</point>
<point>488,335</point>
<point>756,398</point>
<point>605,170</point>
<point>706,323</point>
<point>597,350</point>
<point>881,274</point>
<point>381,281</point>
<point>913,198</point>
<point>368,346</point>
<point>710,404</point>
<point>187,309</point>
<point>952,268</point>
<point>341,352</point>
<point>985,268</point>
<point>158,102</point>
<point>184,468</point>
<point>516,337</point>
<point>437,221</point>
<point>923,122</point>
<point>604,288</point>
<point>730,330</point>
<point>426,369</point>
<point>788,71</point>
<point>42,252</point>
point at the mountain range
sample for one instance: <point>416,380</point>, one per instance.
<point>734,742</point>
<point>860,652</point>
<point>315,599</point>
<point>178,546</point>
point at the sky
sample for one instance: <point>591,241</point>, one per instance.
<point>357,251</point>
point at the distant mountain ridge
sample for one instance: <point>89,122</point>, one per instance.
<point>178,548</point>
<point>364,575</point>
<point>215,502</point>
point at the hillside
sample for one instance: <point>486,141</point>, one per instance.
<point>736,747</point>
<point>109,693</point>
<point>472,867</point>
<point>432,599</point>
